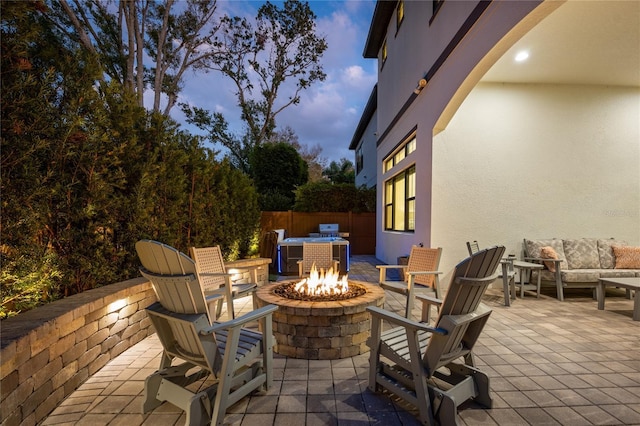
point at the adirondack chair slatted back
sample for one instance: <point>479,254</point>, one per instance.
<point>463,298</point>
<point>162,259</point>
<point>178,293</point>
<point>173,277</point>
<point>209,260</point>
<point>319,253</point>
<point>424,259</point>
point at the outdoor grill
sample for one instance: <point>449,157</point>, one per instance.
<point>329,230</point>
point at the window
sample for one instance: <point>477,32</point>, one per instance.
<point>399,14</point>
<point>436,6</point>
<point>359,160</point>
<point>406,149</point>
<point>384,52</point>
<point>400,201</point>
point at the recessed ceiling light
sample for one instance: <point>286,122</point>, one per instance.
<point>522,56</point>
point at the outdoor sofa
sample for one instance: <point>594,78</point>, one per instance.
<point>580,263</point>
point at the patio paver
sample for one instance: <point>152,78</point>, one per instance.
<point>550,362</point>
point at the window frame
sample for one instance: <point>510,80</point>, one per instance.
<point>384,53</point>
<point>359,160</point>
<point>406,181</point>
<point>436,6</point>
<point>399,14</point>
<point>401,153</point>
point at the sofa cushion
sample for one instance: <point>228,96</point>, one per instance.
<point>607,258</point>
<point>627,257</point>
<point>533,247</point>
<point>618,273</point>
<point>544,275</point>
<point>580,275</point>
<point>582,253</point>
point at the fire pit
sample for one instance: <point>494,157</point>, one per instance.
<point>313,324</point>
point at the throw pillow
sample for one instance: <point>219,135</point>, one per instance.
<point>548,252</point>
<point>627,257</point>
<point>607,258</point>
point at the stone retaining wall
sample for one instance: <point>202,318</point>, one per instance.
<point>47,352</point>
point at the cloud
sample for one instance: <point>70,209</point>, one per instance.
<point>329,111</point>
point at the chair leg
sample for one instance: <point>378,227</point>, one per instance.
<point>219,309</point>
<point>374,352</point>
<point>151,386</point>
<point>447,413</point>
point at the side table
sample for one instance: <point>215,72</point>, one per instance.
<point>509,265</point>
<point>525,269</point>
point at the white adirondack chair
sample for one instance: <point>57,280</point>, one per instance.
<point>432,367</point>
<point>235,360</point>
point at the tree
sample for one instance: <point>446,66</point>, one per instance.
<point>311,155</point>
<point>258,60</point>
<point>278,170</point>
<point>329,197</point>
<point>85,173</point>
<point>171,33</point>
<point>340,173</point>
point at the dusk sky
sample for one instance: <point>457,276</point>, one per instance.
<point>329,111</point>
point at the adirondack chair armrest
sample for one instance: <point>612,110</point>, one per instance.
<point>392,317</point>
<point>473,321</point>
<point>480,312</point>
<point>462,280</point>
<point>426,299</point>
<point>258,314</point>
<point>392,266</point>
<point>424,273</point>
<point>383,270</point>
<point>212,296</point>
<point>542,260</point>
<point>427,302</point>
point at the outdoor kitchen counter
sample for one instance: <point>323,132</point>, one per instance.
<point>290,252</point>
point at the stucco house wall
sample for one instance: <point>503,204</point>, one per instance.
<point>415,52</point>
<point>367,176</point>
<point>537,161</point>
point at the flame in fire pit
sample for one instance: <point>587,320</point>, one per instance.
<point>320,283</point>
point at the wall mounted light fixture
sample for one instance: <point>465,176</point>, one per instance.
<point>421,85</point>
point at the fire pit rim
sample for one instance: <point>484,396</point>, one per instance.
<point>373,293</point>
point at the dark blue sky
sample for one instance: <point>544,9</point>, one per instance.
<point>329,111</point>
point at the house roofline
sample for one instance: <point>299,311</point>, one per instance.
<point>365,119</point>
<point>378,29</point>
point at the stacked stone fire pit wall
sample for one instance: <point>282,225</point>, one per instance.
<point>321,330</point>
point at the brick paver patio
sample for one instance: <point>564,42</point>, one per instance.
<point>550,363</point>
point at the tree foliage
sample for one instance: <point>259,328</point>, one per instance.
<point>278,170</point>
<point>121,36</point>
<point>85,173</point>
<point>259,59</point>
<point>342,172</point>
<point>310,154</point>
<point>328,197</point>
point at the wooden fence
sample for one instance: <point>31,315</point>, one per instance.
<point>360,226</point>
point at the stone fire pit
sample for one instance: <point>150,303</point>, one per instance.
<point>321,329</point>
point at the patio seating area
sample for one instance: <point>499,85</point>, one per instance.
<point>549,362</point>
